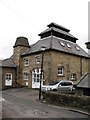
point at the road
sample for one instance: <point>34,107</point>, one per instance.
<point>24,103</point>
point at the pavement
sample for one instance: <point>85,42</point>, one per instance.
<point>33,95</point>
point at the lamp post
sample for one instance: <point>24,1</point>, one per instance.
<point>41,76</point>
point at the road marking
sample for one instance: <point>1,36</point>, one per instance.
<point>2,99</point>
<point>58,107</point>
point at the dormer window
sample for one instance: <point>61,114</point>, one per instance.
<point>68,45</point>
<point>61,43</point>
<point>26,62</point>
<point>77,48</point>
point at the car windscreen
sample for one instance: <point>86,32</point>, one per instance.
<point>54,83</point>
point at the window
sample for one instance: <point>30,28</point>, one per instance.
<point>66,83</point>
<point>26,76</point>
<point>60,70</point>
<point>77,48</point>
<point>73,76</point>
<point>26,62</point>
<point>68,45</point>
<point>37,59</point>
<point>36,75</point>
<point>8,76</point>
<point>62,43</point>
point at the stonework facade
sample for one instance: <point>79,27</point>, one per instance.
<point>63,59</point>
<point>52,60</point>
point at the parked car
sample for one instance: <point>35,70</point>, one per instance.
<point>65,85</point>
<point>59,85</point>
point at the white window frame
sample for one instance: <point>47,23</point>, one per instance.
<point>26,76</point>
<point>26,62</point>
<point>73,76</point>
<point>38,59</point>
<point>60,70</point>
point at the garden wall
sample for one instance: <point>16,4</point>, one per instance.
<point>67,100</point>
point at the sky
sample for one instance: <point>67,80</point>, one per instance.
<point>28,18</point>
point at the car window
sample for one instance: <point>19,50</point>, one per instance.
<point>65,83</point>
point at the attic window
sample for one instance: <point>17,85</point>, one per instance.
<point>68,45</point>
<point>62,43</point>
<point>77,48</point>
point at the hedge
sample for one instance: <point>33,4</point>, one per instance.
<point>67,100</point>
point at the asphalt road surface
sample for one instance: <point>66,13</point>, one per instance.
<point>24,103</point>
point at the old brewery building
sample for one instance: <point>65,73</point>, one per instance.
<point>62,59</point>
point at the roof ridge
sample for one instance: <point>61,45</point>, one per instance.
<point>82,78</point>
<point>6,59</point>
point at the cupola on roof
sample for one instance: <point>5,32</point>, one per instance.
<point>21,41</point>
<point>58,26</point>
<point>58,31</point>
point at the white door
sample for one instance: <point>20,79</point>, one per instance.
<point>36,78</point>
<point>8,79</point>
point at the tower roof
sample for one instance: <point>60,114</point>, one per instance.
<point>21,41</point>
<point>58,26</point>
<point>58,31</point>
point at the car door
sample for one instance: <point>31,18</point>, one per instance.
<point>63,86</point>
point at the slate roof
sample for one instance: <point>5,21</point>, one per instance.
<point>59,31</point>
<point>21,41</point>
<point>59,44</point>
<point>84,82</point>
<point>58,26</point>
<point>8,63</point>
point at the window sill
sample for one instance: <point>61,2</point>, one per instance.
<point>73,79</point>
<point>60,75</point>
<point>26,65</point>
<point>37,62</point>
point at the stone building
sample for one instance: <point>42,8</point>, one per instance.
<point>8,73</point>
<point>62,58</point>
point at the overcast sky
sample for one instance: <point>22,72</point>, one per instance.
<point>30,17</point>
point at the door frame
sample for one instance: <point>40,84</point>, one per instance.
<point>8,82</point>
<point>36,78</point>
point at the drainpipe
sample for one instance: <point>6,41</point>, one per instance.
<point>15,77</point>
<point>80,66</point>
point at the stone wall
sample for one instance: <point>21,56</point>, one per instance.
<point>71,64</point>
<point>18,50</point>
